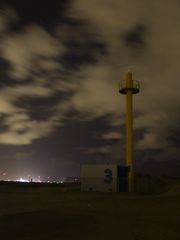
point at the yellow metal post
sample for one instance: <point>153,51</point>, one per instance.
<point>129,130</point>
<point>129,87</point>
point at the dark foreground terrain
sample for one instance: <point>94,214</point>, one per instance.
<point>61,212</point>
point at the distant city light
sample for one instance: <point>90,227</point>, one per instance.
<point>22,180</point>
<point>39,179</point>
<point>30,178</point>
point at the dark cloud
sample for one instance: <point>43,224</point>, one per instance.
<point>82,53</point>
<point>63,63</point>
<point>41,12</point>
<point>135,37</point>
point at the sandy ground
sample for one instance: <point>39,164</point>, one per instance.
<point>54,213</point>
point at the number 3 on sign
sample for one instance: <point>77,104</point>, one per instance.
<point>108,176</point>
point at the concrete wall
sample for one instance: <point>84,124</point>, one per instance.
<point>99,177</point>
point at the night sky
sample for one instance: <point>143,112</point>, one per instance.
<point>60,65</point>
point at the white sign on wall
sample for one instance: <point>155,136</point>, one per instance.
<point>99,177</point>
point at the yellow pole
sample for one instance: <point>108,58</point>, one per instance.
<point>129,131</point>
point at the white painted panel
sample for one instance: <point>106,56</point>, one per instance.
<point>99,177</point>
